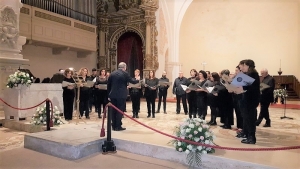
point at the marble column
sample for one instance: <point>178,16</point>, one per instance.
<point>10,41</point>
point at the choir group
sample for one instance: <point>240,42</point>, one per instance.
<point>194,93</point>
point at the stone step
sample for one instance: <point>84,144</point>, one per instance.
<point>22,126</point>
<point>76,146</point>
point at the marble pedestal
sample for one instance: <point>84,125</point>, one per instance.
<point>24,97</point>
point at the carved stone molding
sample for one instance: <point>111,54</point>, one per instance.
<point>9,32</point>
<point>102,62</point>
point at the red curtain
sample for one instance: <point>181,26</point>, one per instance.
<point>129,50</point>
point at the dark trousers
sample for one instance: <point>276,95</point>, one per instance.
<point>101,100</point>
<point>162,95</point>
<point>183,98</point>
<point>68,100</point>
<point>264,111</point>
<point>136,102</point>
<point>151,103</point>
<point>249,118</point>
<point>201,106</point>
<point>84,103</point>
<point>116,116</point>
<point>192,100</point>
<point>238,114</point>
<point>92,99</point>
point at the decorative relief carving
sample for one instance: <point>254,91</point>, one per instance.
<point>9,32</point>
<point>84,27</point>
<point>102,62</point>
<point>25,10</point>
<point>52,18</point>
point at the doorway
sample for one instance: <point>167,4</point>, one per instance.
<point>130,51</point>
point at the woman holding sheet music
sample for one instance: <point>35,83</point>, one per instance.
<point>226,104</point>
<point>101,91</point>
<point>68,94</point>
<point>191,94</point>
<point>213,97</point>
<point>202,96</point>
<point>151,84</point>
<point>135,95</point>
<point>249,101</point>
<point>84,92</point>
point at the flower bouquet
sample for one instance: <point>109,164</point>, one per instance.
<point>280,93</point>
<point>18,78</point>
<point>39,118</point>
<point>194,130</point>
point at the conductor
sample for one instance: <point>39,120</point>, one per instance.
<point>117,93</point>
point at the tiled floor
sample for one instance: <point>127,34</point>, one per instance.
<point>282,133</point>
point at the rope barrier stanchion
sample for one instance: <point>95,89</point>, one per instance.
<point>50,104</point>
<point>109,145</point>
<point>22,108</point>
<point>48,119</point>
<point>207,145</point>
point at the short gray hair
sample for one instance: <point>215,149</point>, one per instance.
<point>264,70</point>
<point>122,65</point>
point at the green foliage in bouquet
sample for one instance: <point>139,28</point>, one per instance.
<point>39,118</point>
<point>194,130</point>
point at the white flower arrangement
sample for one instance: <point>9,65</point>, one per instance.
<point>280,93</point>
<point>194,130</point>
<point>18,78</point>
<point>39,118</point>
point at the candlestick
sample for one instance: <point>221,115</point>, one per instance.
<point>280,65</point>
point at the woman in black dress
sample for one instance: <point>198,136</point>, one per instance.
<point>249,101</point>
<point>191,94</point>
<point>151,85</point>
<point>101,92</point>
<point>68,94</point>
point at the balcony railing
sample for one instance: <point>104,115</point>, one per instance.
<point>68,8</point>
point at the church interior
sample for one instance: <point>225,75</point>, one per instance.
<point>40,37</point>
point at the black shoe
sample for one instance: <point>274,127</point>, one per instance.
<point>227,127</point>
<point>149,115</point>
<point>177,112</point>
<point>186,113</point>
<point>157,111</point>
<point>213,123</point>
<point>99,116</point>
<point>153,115</point>
<point>249,140</point>
<point>258,121</point>
<point>165,112</point>
<point>119,129</point>
<point>88,117</point>
<point>268,123</point>
<point>241,135</point>
<point>137,116</point>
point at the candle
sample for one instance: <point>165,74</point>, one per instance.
<point>280,65</point>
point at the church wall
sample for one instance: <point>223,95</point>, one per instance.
<point>221,33</point>
<point>44,64</point>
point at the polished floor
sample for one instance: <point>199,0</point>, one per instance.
<point>284,132</point>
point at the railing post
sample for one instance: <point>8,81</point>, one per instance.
<point>109,145</point>
<point>48,115</point>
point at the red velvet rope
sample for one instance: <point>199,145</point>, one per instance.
<point>192,142</point>
<point>51,104</point>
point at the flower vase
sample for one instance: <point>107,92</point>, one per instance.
<point>278,100</point>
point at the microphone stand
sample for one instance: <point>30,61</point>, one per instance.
<point>285,117</point>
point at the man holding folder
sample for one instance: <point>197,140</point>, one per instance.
<point>266,97</point>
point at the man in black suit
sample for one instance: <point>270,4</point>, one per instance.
<point>117,93</point>
<point>162,92</point>
<point>266,98</point>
